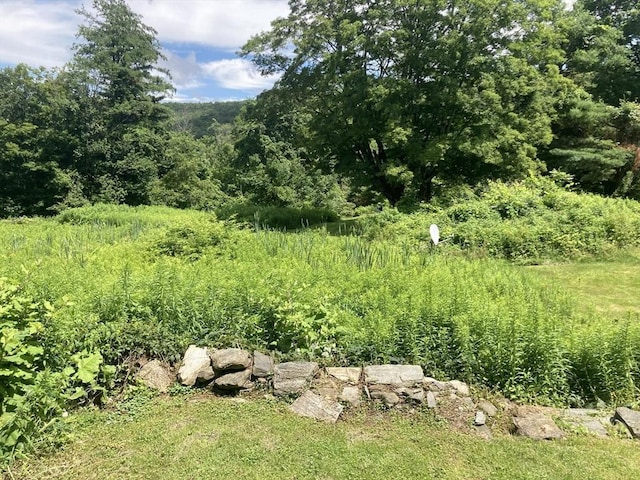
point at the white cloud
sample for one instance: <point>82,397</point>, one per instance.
<point>238,74</point>
<point>37,33</point>
<point>186,73</point>
<point>224,24</point>
<point>41,33</point>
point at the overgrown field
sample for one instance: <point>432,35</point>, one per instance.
<point>97,286</point>
<point>526,222</point>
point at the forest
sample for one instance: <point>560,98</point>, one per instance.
<point>298,222</point>
<point>390,101</point>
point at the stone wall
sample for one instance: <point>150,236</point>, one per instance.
<point>325,393</point>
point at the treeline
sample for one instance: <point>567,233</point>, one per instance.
<point>386,101</point>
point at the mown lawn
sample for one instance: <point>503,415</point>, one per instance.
<point>202,436</point>
<point>611,287</point>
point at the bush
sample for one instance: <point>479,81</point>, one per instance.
<point>33,391</point>
<point>345,300</point>
<point>287,218</point>
<point>20,359</point>
<point>525,222</point>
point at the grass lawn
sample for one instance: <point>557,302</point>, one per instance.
<point>611,287</point>
<point>202,436</point>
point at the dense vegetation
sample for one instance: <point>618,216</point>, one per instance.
<point>99,286</point>
<point>500,121</point>
<point>387,101</point>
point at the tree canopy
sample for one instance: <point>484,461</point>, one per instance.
<point>405,91</point>
<point>378,100</point>
<point>116,70</point>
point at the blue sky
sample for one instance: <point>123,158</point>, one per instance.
<point>200,39</point>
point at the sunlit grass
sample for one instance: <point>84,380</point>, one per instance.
<point>207,437</point>
<point>611,287</point>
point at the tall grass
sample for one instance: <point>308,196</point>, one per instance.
<point>345,300</point>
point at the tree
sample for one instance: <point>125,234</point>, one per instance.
<point>119,87</point>
<point>404,91</point>
<point>272,163</point>
<point>603,49</point>
<point>187,174</point>
<point>35,142</point>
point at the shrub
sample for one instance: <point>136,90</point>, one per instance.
<point>288,218</point>
<point>20,358</point>
<point>33,394</point>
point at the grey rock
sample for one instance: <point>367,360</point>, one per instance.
<point>431,400</point>
<point>262,365</point>
<point>240,380</point>
<point>351,395</point>
<point>537,426</point>
<point>381,392</point>
<point>349,375</point>
<point>156,375</point>
<point>230,359</point>
<point>480,419</point>
<point>488,408</point>
<point>592,420</point>
<point>398,375</point>
<point>630,419</point>
<point>460,387</point>
<point>412,394</point>
<point>329,392</point>
<point>311,405</point>
<point>468,402</point>
<point>196,366</point>
<point>292,377</point>
<point>434,385</point>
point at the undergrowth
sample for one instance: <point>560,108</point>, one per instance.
<point>112,283</point>
<point>526,222</point>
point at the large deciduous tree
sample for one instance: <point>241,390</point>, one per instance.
<point>404,91</point>
<point>602,44</point>
<point>120,86</point>
<point>36,141</point>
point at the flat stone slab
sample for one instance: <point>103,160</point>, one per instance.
<point>630,419</point>
<point>230,359</point>
<point>349,375</point>
<point>592,420</point>
<point>431,400</point>
<point>480,419</point>
<point>240,380</point>
<point>538,427</point>
<point>460,387</point>
<point>434,385</point>
<point>314,406</point>
<point>397,375</point>
<point>488,408</point>
<point>351,395</point>
<point>196,366</point>
<point>293,377</point>
<point>262,365</point>
<point>156,375</point>
<point>415,394</point>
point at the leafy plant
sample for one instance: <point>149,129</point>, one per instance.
<point>20,357</point>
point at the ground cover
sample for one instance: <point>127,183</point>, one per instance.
<point>610,287</point>
<point>113,283</point>
<point>207,437</point>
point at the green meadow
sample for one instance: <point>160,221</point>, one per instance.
<point>86,293</point>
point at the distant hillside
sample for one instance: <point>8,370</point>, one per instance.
<point>198,117</point>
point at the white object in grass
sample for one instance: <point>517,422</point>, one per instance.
<point>434,231</point>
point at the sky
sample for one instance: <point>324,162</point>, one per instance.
<point>200,39</point>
